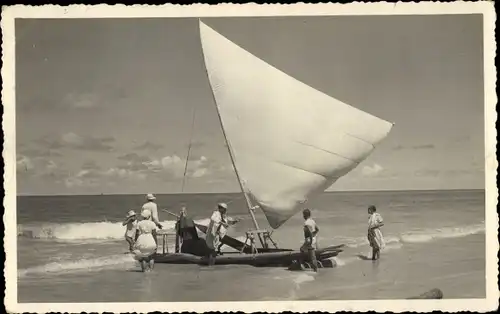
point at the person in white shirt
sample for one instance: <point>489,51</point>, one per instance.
<point>375,236</point>
<point>151,206</point>
<point>216,231</point>
<point>145,247</point>
<point>310,232</point>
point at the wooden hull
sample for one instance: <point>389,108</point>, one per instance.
<point>270,259</point>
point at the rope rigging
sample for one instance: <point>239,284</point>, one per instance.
<point>189,151</point>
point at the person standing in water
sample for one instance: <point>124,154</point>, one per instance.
<point>178,231</point>
<point>130,232</point>
<point>153,208</point>
<point>216,231</point>
<point>310,232</point>
<point>375,236</point>
<point>185,230</point>
<point>145,246</point>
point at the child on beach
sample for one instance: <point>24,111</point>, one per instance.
<point>130,232</point>
<point>375,236</point>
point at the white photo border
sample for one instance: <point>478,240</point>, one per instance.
<point>486,8</point>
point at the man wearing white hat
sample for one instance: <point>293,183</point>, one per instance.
<point>216,231</point>
<point>151,206</point>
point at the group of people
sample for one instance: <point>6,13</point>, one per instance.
<point>141,233</point>
<point>374,235</point>
<point>209,247</point>
<point>218,225</point>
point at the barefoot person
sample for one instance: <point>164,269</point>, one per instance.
<point>310,232</point>
<point>131,223</point>
<point>145,246</point>
<point>216,231</point>
<point>375,236</point>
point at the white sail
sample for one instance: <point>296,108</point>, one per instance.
<point>288,140</point>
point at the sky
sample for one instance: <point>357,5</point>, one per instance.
<point>106,105</point>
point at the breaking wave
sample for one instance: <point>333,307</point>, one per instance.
<point>91,264</point>
<point>83,231</point>
<point>443,233</point>
<point>420,236</point>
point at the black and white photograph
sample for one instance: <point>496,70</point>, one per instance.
<point>172,156</point>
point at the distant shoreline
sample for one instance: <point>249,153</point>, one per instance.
<point>236,193</point>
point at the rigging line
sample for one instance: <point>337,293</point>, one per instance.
<point>189,151</point>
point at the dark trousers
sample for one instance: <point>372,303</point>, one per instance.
<point>311,254</point>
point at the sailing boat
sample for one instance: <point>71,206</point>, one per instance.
<point>288,142</point>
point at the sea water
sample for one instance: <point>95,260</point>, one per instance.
<point>72,249</point>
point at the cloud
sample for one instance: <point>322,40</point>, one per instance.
<point>122,173</point>
<point>166,168</point>
<point>74,141</point>
<point>40,168</point>
<point>173,167</point>
<point>133,157</point>
<point>134,162</point>
<point>24,164</point>
<point>197,144</point>
<point>90,165</point>
<point>132,169</point>
<point>39,153</point>
<point>148,146</point>
<point>81,180</point>
<point>200,172</point>
<point>91,175</point>
<point>370,171</point>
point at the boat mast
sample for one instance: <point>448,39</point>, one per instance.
<point>231,155</point>
<point>242,187</point>
<point>249,203</point>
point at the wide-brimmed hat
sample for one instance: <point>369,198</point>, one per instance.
<point>150,197</point>
<point>131,213</point>
<point>222,205</point>
<point>146,213</point>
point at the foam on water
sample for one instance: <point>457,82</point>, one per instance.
<point>91,264</point>
<point>83,231</point>
<point>442,233</point>
<point>419,236</point>
<point>298,281</point>
<point>397,242</point>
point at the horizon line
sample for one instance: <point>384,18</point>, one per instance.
<point>191,193</point>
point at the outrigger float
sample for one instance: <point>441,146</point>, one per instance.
<point>287,141</point>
